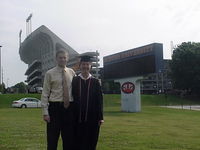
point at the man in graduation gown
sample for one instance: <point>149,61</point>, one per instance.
<point>88,100</point>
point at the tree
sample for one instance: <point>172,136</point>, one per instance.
<point>2,88</point>
<point>109,86</point>
<point>20,87</point>
<point>185,67</point>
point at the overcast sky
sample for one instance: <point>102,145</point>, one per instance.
<point>108,26</point>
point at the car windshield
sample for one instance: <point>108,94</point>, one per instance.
<point>21,99</point>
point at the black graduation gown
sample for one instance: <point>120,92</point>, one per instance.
<point>88,102</point>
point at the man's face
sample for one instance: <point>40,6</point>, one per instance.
<point>85,67</point>
<point>62,59</point>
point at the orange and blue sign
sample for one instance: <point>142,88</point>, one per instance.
<point>128,87</point>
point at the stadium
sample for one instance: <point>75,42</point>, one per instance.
<point>38,52</point>
<point>146,61</point>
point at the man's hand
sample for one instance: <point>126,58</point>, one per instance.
<point>46,118</point>
<point>101,122</point>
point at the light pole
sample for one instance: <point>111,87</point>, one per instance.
<point>2,76</point>
<point>157,90</point>
<point>162,82</point>
<point>97,64</point>
<point>20,37</point>
<point>28,25</point>
<point>0,63</point>
<point>161,72</point>
<point>7,82</point>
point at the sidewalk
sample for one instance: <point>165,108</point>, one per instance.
<point>192,107</point>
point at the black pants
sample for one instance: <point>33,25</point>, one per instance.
<point>87,134</point>
<point>61,122</point>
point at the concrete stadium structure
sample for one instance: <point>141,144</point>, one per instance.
<point>38,50</point>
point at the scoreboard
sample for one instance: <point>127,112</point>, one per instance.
<point>134,62</point>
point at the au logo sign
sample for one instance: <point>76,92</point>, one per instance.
<point>128,87</point>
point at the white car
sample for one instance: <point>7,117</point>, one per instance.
<point>27,102</point>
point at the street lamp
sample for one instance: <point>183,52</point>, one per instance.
<point>7,82</point>
<point>160,71</point>
<point>0,63</point>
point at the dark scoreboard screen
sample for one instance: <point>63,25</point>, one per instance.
<point>137,62</point>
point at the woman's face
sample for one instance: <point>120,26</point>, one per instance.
<point>85,67</point>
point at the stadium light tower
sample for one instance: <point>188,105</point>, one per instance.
<point>29,25</point>
<point>20,37</point>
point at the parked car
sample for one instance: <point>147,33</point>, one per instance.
<point>35,90</point>
<point>39,90</point>
<point>27,102</point>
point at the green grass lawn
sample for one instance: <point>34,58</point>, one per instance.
<point>154,128</point>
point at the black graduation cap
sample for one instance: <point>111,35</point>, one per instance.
<point>85,58</point>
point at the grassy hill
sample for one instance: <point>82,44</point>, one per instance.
<point>154,128</point>
<point>149,100</point>
<point>109,100</point>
